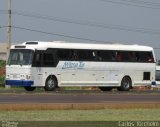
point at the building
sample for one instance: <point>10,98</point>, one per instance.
<point>3,51</point>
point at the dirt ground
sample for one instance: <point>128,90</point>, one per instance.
<point>77,106</point>
<point>2,71</point>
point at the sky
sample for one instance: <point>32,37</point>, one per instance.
<point>108,21</point>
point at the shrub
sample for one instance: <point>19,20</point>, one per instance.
<point>2,63</point>
<point>2,80</point>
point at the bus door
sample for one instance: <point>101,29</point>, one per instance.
<point>37,70</point>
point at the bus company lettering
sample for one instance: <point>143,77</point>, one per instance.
<point>73,65</point>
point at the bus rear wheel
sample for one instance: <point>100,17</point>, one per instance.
<point>51,83</point>
<point>105,88</point>
<point>126,84</point>
<point>29,88</point>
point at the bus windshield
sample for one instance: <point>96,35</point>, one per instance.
<point>20,57</point>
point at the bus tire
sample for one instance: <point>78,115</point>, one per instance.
<point>51,83</point>
<point>105,88</point>
<point>126,84</point>
<point>29,88</point>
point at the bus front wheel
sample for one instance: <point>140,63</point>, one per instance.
<point>51,83</point>
<point>126,84</point>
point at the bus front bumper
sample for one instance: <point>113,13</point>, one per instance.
<point>19,83</point>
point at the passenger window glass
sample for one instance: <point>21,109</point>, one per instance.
<point>106,56</point>
<point>37,59</point>
<point>48,59</point>
<point>128,56</point>
<point>144,57</point>
<point>64,54</point>
<point>88,55</point>
<point>132,56</point>
<point>119,56</point>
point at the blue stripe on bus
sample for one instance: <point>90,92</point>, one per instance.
<point>19,83</point>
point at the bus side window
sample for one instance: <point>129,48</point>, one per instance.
<point>99,56</point>
<point>132,57</point>
<point>94,53</point>
<point>37,60</point>
<point>119,56</point>
<point>73,55</point>
<point>149,57</point>
<point>137,57</point>
<point>86,55</point>
<point>144,57</point>
<point>106,56</point>
<point>48,59</point>
<point>126,56</point>
<point>64,54</point>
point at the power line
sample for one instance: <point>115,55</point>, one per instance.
<point>87,23</point>
<point>67,36</point>
<point>138,3</point>
<point>3,27</point>
<point>55,34</point>
<point>143,2</point>
<point>132,3</point>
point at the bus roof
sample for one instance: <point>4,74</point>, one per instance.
<point>39,45</point>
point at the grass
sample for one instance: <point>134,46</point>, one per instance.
<point>2,63</point>
<point>82,115</point>
<point>2,78</point>
<point>79,118</point>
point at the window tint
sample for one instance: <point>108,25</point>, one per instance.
<point>144,57</point>
<point>125,56</point>
<point>120,56</point>
<point>106,56</point>
<point>146,75</point>
<point>20,57</point>
<point>64,54</point>
<point>51,57</point>
<point>87,55</point>
<point>37,61</point>
<point>48,59</point>
<point>132,57</point>
<point>45,58</point>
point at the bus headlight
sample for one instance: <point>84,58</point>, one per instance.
<point>7,76</point>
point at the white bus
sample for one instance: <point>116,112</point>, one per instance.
<point>55,64</point>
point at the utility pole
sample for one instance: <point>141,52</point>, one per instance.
<point>9,28</point>
<point>8,45</point>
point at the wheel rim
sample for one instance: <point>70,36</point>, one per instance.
<point>126,83</point>
<point>51,83</point>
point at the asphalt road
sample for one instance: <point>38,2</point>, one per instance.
<point>14,98</point>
